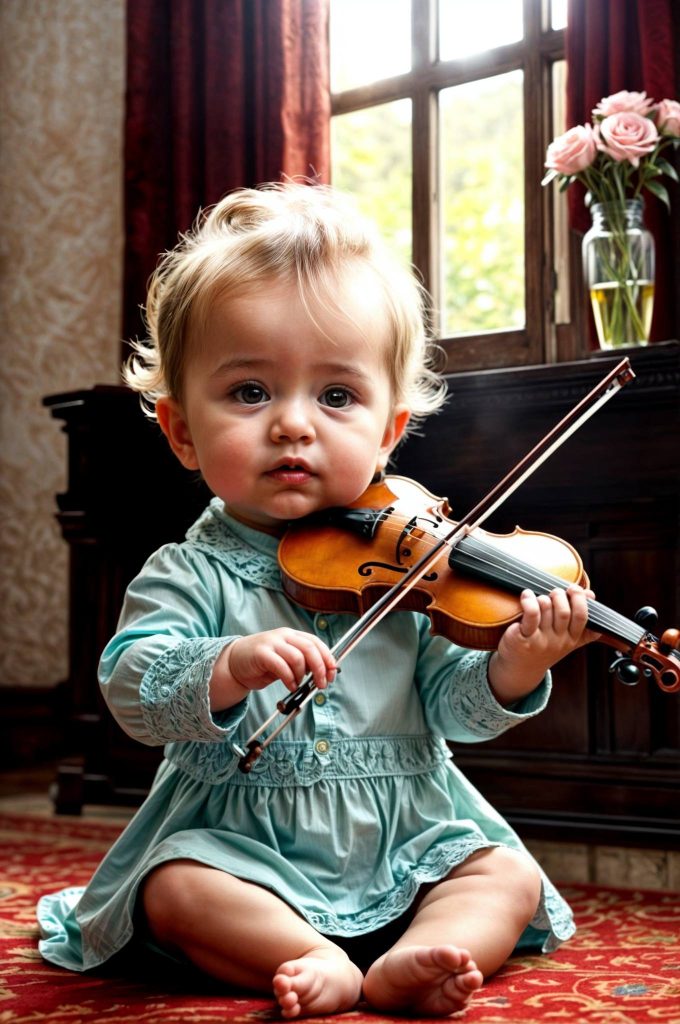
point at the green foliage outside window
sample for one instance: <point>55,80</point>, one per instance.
<point>372,162</point>
<point>482,206</point>
<point>481,200</point>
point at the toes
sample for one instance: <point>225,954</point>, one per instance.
<point>472,980</point>
<point>287,997</point>
<point>281,984</point>
<point>450,958</point>
<point>289,968</point>
<point>292,1013</point>
<point>435,981</point>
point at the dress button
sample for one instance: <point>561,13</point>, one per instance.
<point>320,699</point>
<point>322,746</point>
<point>322,623</point>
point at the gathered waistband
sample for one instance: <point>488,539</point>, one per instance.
<point>304,762</point>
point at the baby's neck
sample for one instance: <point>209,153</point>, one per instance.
<point>273,529</point>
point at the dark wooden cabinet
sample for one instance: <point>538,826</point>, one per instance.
<point>602,763</point>
<point>126,495</point>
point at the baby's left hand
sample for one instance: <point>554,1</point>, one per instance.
<point>552,626</point>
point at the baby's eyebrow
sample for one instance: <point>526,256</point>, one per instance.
<point>246,363</point>
<point>252,365</point>
<point>341,370</point>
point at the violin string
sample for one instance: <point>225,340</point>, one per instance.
<point>516,574</point>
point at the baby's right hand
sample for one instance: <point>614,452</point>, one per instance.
<point>253,662</point>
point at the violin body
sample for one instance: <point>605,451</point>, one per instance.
<point>330,566</point>
<point>345,560</point>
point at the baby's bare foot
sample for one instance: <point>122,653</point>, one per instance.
<point>324,983</point>
<point>432,980</point>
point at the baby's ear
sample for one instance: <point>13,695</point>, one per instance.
<point>172,421</point>
<point>393,434</point>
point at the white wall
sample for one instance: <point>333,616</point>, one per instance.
<point>62,81</point>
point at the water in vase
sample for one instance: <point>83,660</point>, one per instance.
<point>622,319</point>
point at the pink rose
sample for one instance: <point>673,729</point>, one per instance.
<point>626,136</point>
<point>573,151</point>
<point>624,103</point>
<point>668,117</point>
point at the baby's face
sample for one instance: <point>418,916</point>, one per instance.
<point>286,413</point>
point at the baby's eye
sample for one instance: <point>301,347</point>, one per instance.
<point>250,394</point>
<point>336,397</point>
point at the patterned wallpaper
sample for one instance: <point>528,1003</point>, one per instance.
<point>62,80</point>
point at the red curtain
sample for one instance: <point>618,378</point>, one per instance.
<point>220,94</point>
<point>633,45</point>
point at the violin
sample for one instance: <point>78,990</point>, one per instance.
<point>347,559</point>
<point>396,546</point>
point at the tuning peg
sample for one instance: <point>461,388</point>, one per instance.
<point>647,618</point>
<point>625,671</point>
<point>670,641</point>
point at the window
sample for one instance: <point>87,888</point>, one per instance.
<point>442,111</point>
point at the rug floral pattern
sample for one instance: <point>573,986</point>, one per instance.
<point>623,966</point>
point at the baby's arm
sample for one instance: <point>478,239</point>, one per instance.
<point>551,627</point>
<point>253,662</point>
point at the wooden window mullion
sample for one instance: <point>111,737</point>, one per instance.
<point>425,185</point>
<point>534,227</point>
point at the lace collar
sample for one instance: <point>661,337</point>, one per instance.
<point>247,553</point>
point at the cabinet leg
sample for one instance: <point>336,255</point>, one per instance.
<point>70,788</point>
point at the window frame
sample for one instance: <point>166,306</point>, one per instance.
<point>540,340</point>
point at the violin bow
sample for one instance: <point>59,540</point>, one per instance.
<point>291,706</point>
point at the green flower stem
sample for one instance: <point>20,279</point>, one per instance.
<point>624,273</point>
<point>611,192</point>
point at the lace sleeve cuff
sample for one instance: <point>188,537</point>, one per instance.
<point>175,698</point>
<point>476,708</point>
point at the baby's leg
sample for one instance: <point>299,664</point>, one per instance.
<point>245,935</point>
<point>464,929</point>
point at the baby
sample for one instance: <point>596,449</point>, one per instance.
<point>287,359</point>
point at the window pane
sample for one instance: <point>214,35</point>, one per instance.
<point>558,13</point>
<point>369,40</point>
<point>470,26</point>
<point>371,159</point>
<point>482,168</point>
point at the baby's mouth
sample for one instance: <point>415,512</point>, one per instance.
<point>293,472</point>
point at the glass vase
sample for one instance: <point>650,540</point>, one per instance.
<point>618,264</point>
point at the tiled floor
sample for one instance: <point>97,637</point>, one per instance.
<point>609,865</point>
<point>28,791</point>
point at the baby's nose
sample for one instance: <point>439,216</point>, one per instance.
<point>293,421</point>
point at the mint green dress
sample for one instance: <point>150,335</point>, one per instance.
<point>352,808</point>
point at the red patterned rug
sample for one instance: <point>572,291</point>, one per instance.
<point>623,967</point>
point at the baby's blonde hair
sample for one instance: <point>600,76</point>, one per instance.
<point>309,234</point>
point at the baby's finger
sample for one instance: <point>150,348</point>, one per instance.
<point>546,612</point>
<point>561,610</point>
<point>277,665</point>
<point>295,660</point>
<point>531,613</point>
<point>578,600</point>
<point>318,659</point>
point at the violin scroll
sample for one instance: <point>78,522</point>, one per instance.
<point>668,649</point>
<point>652,658</point>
